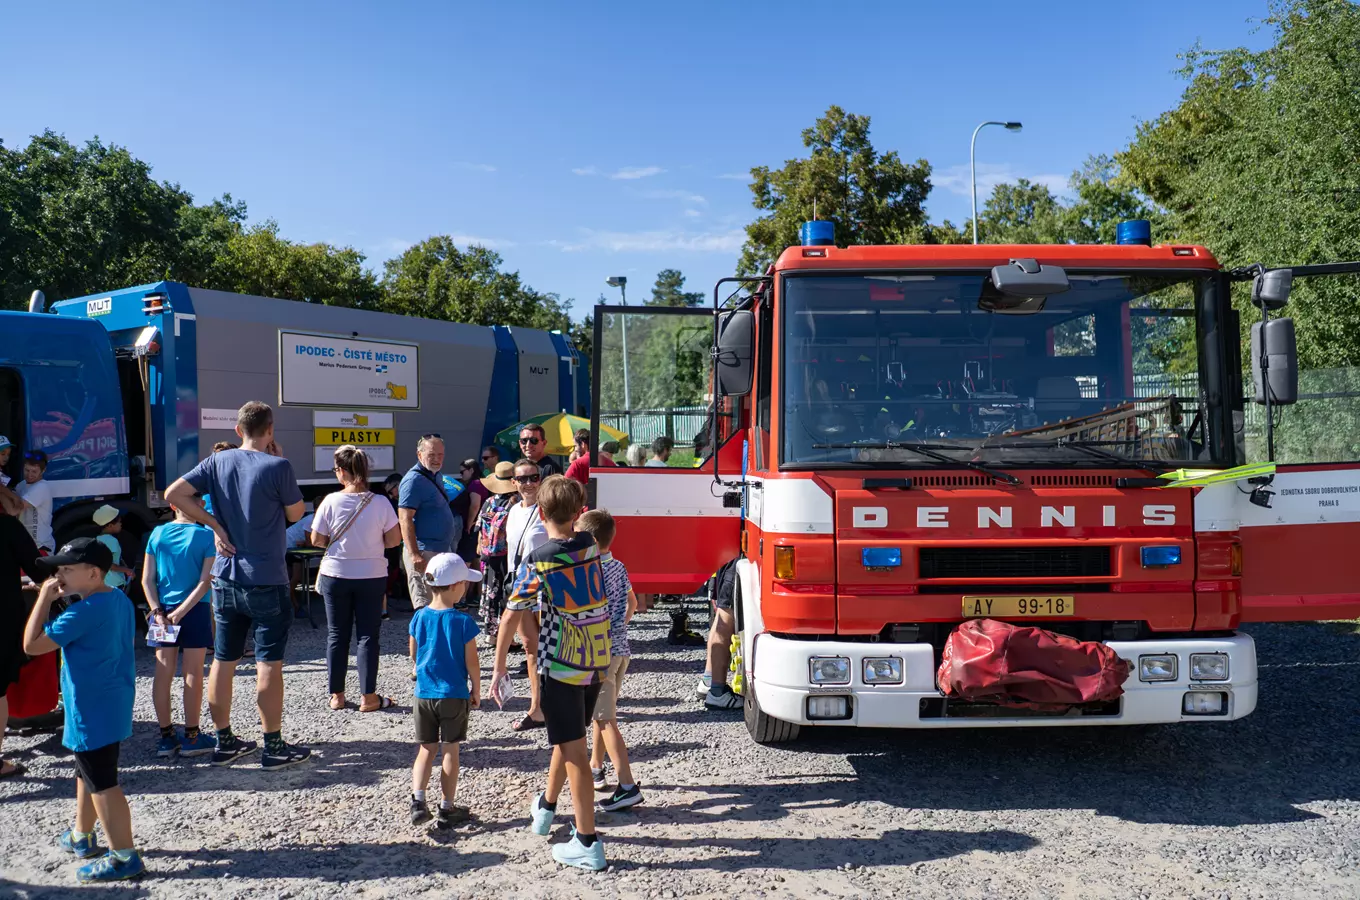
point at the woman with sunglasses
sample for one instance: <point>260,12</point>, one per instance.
<point>355,527</point>
<point>524,531</point>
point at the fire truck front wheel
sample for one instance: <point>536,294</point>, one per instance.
<point>766,729</point>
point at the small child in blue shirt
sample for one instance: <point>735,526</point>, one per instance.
<point>177,578</point>
<point>444,647</point>
<point>98,675</point>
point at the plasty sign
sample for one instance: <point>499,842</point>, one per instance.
<point>330,370</point>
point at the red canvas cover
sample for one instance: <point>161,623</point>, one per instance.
<point>992,661</point>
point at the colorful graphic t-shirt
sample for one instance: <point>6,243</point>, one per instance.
<point>573,637</point>
<point>616,588</point>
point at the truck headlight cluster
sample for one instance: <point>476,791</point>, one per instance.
<point>829,670</point>
<point>882,670</point>
<point>1157,667</point>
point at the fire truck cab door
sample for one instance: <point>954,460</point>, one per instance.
<point>652,377</point>
<point>1299,554</point>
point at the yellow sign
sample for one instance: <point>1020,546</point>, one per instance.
<point>1016,606</point>
<point>363,437</point>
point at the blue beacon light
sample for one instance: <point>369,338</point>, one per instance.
<point>1134,231</point>
<point>817,234</point>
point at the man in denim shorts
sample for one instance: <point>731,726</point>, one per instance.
<point>255,497</point>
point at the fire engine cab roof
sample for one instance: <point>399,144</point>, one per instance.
<point>972,256</point>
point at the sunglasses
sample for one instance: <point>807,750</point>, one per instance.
<point>528,479</point>
<point>432,434</point>
<point>487,458</point>
<point>531,441</point>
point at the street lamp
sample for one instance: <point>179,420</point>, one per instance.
<point>972,164</point>
<point>621,282</point>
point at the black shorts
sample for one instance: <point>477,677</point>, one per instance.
<point>98,768</point>
<point>445,719</point>
<point>567,709</point>
<point>722,587</point>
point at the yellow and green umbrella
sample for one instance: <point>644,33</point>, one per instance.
<point>560,429</point>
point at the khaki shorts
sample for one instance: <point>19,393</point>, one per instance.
<point>442,720</point>
<point>415,581</point>
<point>607,707</point>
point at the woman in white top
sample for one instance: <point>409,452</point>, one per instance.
<point>356,527</point>
<point>524,531</point>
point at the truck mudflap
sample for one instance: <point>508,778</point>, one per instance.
<point>1022,667</point>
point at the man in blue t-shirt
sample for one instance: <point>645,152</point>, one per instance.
<point>98,675</point>
<point>423,512</point>
<point>444,648</point>
<point>255,495</point>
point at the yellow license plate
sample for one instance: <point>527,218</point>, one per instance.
<point>1018,605</point>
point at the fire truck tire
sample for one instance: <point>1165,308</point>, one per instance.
<point>766,729</point>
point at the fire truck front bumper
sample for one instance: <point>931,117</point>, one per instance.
<point>893,685</point>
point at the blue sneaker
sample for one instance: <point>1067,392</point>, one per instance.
<point>540,819</point>
<point>110,868</point>
<point>201,745</point>
<point>167,747</point>
<point>576,854</point>
<point>79,847</point>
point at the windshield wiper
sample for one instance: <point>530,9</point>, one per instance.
<point>1090,448</point>
<point>927,450</point>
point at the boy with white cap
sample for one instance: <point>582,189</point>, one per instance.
<point>110,521</point>
<point>444,648</point>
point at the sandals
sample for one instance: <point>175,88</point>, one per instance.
<point>528,723</point>
<point>337,701</point>
<point>14,771</point>
<point>383,703</point>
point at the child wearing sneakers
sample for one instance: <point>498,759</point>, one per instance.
<point>176,576</point>
<point>622,603</point>
<point>562,576</point>
<point>95,635</point>
<point>444,647</point>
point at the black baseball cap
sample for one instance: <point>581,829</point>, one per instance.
<point>82,550</point>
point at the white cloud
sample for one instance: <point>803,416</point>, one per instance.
<point>490,243</point>
<point>655,241</point>
<point>692,213</point>
<point>955,179</point>
<point>737,176</point>
<point>476,167</point>
<point>686,196</point>
<point>632,173</point>
<point>586,170</point>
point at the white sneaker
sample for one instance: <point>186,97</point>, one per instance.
<point>701,689</point>
<point>722,697</point>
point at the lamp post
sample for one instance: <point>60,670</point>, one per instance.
<point>972,164</point>
<point>621,282</point>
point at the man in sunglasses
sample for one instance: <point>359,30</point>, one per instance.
<point>423,512</point>
<point>533,445</point>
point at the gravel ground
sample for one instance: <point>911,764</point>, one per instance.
<point>1264,808</point>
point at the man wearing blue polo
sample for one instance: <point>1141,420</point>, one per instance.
<point>423,511</point>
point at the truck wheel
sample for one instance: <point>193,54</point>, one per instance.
<point>766,729</point>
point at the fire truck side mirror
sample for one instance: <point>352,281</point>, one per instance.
<point>1281,365</point>
<point>1270,290</point>
<point>735,359</point>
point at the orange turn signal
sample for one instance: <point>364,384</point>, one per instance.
<point>1236,553</point>
<point>783,563</point>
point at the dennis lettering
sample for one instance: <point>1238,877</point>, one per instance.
<point>1004,517</point>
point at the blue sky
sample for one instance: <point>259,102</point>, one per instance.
<point>584,140</point>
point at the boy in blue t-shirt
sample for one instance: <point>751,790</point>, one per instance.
<point>444,646</point>
<point>176,576</point>
<point>98,674</point>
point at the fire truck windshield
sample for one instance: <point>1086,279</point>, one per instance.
<point>1093,376</point>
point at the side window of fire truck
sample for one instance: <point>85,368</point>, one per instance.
<point>1324,425</point>
<point>656,394</point>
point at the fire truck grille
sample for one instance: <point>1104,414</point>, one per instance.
<point>1014,562</point>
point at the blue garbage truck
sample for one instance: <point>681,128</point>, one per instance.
<point>126,391</point>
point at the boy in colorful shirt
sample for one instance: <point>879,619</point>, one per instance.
<point>622,604</point>
<point>98,674</point>
<point>563,578</point>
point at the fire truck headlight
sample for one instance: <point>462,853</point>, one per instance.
<point>829,670</point>
<point>1157,667</point>
<point>1205,703</point>
<point>883,670</point>
<point>1208,667</point>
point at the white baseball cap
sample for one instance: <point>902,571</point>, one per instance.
<point>5,443</point>
<point>446,569</point>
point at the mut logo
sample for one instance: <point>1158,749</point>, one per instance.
<point>1002,517</point>
<point>538,370</point>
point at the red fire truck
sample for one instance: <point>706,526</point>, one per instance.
<point>908,437</point>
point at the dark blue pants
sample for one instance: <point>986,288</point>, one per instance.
<point>353,605</point>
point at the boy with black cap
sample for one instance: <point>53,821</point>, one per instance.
<point>98,674</point>
<point>444,648</point>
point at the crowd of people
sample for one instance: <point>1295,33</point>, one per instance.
<point>506,548</point>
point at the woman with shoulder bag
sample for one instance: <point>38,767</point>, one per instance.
<point>355,527</point>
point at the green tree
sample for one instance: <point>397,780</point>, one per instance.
<point>1021,213</point>
<point>436,280</point>
<point>872,198</point>
<point>257,261</point>
<point>1259,162</point>
<point>669,290</point>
